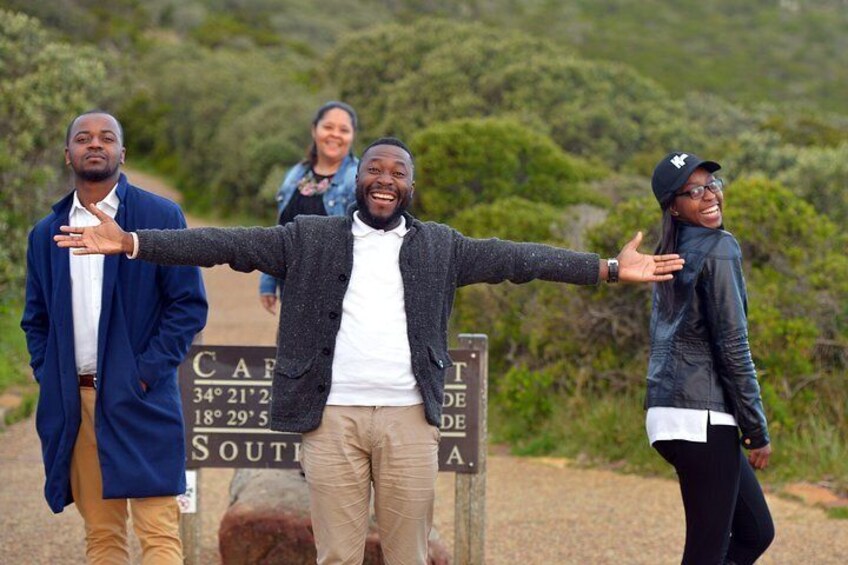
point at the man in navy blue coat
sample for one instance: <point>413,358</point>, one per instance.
<point>105,338</point>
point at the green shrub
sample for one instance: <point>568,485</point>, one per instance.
<point>517,219</point>
<point>820,176</point>
<point>226,29</point>
<point>44,85</point>
<point>218,121</point>
<point>467,162</point>
<point>14,371</point>
<point>405,78</point>
<point>524,398</point>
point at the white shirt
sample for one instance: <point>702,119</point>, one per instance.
<point>372,364</point>
<point>87,285</point>
<point>665,423</point>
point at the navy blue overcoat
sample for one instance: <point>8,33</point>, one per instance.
<point>149,317</point>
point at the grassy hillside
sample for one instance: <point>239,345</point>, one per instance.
<point>784,51</point>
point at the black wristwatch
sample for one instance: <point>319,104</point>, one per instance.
<point>612,270</point>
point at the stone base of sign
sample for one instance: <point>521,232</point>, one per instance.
<point>268,522</point>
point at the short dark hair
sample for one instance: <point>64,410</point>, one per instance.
<point>89,112</point>
<point>391,141</point>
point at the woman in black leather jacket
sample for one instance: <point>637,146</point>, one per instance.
<point>702,384</point>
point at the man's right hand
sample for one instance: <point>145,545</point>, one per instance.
<point>106,239</point>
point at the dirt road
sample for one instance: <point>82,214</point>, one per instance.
<point>539,511</point>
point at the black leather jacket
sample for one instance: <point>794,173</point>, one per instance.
<point>700,356</point>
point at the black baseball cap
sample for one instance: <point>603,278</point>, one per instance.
<point>672,171</point>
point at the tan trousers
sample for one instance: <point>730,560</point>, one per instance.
<point>392,447</point>
<point>155,519</point>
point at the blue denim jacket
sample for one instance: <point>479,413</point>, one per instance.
<point>339,196</point>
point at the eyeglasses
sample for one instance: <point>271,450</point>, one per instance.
<point>715,186</point>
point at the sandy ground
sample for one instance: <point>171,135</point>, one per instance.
<point>539,511</point>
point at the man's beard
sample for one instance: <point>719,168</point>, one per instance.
<point>378,223</point>
<point>96,175</point>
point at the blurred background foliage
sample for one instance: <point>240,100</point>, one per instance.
<point>529,119</point>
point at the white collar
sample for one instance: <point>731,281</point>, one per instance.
<point>361,229</point>
<point>111,200</point>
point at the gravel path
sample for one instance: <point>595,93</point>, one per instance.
<point>539,510</point>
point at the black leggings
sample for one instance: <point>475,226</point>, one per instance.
<point>727,519</point>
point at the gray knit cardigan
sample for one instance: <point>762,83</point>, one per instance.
<point>314,255</point>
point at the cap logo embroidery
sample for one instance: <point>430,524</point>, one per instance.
<point>679,161</point>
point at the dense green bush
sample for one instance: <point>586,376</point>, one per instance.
<point>403,78</point>
<point>366,64</point>
<point>798,297</point>
<point>518,219</point>
<point>467,162</point>
<point>43,84</point>
<point>227,30</point>
<point>526,397</point>
<point>219,120</point>
<point>820,176</point>
<point>803,126</point>
<point>746,52</point>
<point>761,152</point>
<point>118,24</point>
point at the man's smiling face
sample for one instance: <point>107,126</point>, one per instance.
<point>384,185</point>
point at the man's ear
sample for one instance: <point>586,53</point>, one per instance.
<point>67,156</point>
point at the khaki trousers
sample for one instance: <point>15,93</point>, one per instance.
<point>391,447</point>
<point>155,519</point>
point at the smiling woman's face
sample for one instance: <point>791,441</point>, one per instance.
<point>706,212</point>
<point>333,135</point>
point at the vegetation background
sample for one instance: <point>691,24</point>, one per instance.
<point>529,119</point>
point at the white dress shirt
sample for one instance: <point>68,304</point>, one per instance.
<point>87,285</point>
<point>665,423</point>
<point>372,364</point>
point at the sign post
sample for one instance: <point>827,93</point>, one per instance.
<point>190,519</point>
<point>470,493</point>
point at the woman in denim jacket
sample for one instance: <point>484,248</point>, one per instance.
<point>323,184</point>
<point>703,397</point>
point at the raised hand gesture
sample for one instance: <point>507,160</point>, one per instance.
<point>106,239</point>
<point>637,267</point>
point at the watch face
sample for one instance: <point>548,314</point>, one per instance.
<point>612,270</point>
